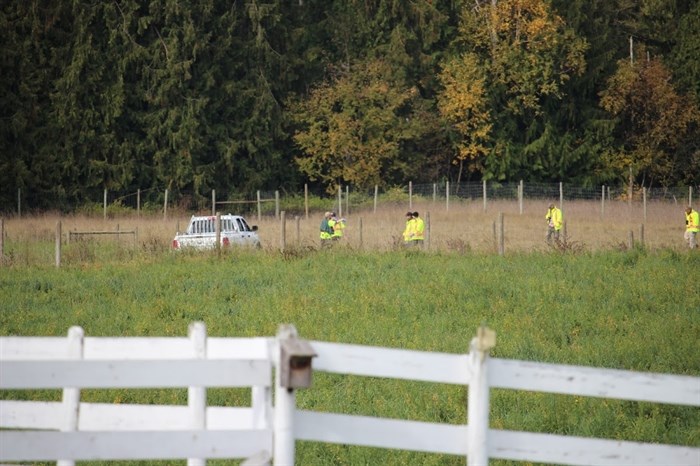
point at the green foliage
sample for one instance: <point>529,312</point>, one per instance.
<point>622,310</point>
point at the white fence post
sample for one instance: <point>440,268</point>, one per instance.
<point>690,196</point>
<point>71,395</point>
<point>478,401</point>
<point>261,397</point>
<point>58,244</point>
<point>197,396</point>
<point>340,200</point>
<point>165,206</point>
<point>376,195</point>
<point>521,189</point>
<point>285,405</point>
<point>447,196</point>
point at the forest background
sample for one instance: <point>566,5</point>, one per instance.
<point>265,95</point>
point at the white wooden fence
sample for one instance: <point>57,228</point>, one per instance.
<point>73,430</point>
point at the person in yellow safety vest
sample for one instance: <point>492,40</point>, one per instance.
<point>338,227</point>
<point>331,223</point>
<point>326,229</point>
<point>554,222</point>
<point>418,230</point>
<point>408,230</point>
<point>692,227</point>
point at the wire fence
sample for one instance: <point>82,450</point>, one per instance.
<point>155,200</point>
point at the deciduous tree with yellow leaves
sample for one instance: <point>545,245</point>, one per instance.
<point>652,121</point>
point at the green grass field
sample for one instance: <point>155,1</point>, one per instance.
<point>632,310</point>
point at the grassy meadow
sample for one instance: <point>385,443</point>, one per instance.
<point>594,301</point>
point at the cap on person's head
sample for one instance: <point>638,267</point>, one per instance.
<point>551,206</point>
<point>328,214</point>
<point>409,214</point>
<point>415,214</point>
<point>689,209</point>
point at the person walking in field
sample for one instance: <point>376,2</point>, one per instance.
<point>408,229</point>
<point>418,230</point>
<point>338,227</point>
<point>326,229</point>
<point>692,227</point>
<point>554,223</point>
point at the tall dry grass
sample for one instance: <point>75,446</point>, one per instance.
<point>463,227</point>
<point>466,227</point>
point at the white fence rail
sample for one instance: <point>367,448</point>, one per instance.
<point>72,430</point>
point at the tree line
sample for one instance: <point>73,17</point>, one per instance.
<point>249,95</point>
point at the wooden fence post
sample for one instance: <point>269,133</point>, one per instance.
<point>297,223</point>
<point>58,243</point>
<point>484,194</point>
<point>410,195</point>
<point>427,230</point>
<point>478,399</point>
<point>217,229</point>
<point>277,204</point>
<point>360,226</point>
<point>501,239</point>
<point>283,231</point>
<point>71,396</point>
<point>306,201</point>
<point>641,234</point>
<point>495,236</point>
<point>630,241</point>
<point>259,205</point>
<point>197,396</point>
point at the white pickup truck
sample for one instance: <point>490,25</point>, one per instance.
<point>201,233</point>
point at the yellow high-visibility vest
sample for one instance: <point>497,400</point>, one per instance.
<point>418,229</point>
<point>554,218</point>
<point>408,231</point>
<point>691,221</point>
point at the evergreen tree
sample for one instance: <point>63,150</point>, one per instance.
<point>29,158</point>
